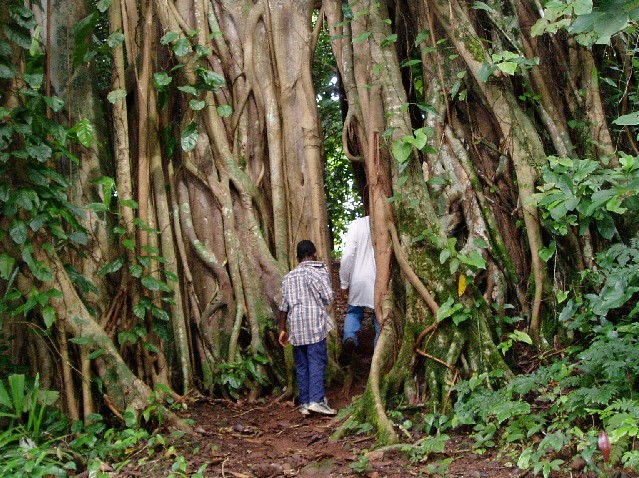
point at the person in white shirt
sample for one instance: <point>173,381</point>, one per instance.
<point>357,274</point>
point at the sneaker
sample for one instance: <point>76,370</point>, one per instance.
<point>347,352</point>
<point>304,409</point>
<point>322,408</point>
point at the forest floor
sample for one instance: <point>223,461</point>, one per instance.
<point>269,439</point>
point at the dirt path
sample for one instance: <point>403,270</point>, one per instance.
<point>272,439</point>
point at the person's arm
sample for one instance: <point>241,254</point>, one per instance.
<point>283,336</point>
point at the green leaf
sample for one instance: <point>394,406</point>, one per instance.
<point>582,7</point>
<point>4,192</point>
<point>56,104</point>
<point>485,72</point>
<point>522,337</point>
<point>410,63</point>
<point>6,265</point>
<point>225,111</point>
<point>79,238</point>
<point>152,283</point>
<point>41,152</point>
<point>161,80</point>
<point>116,95</point>
<point>97,207</point>
<point>361,37</point>
<point>115,39</point>
<point>169,37</point>
<point>546,253</point>
<point>127,337</point>
<point>389,40</point>
<point>189,137</point>
<point>136,270</point>
<point>421,37</point>
<point>507,67</point>
<point>17,36</point>
<point>130,203</point>
<point>160,314</point>
<point>473,259</point>
<point>7,70</point>
<point>48,316</point>
<point>197,105</point>
<point>96,354</point>
<point>103,5</point>
<point>128,244</point>
<point>420,139</point>
<point>201,50</point>
<point>112,266</point>
<point>631,119</point>
<point>18,231</point>
<point>82,340</point>
<point>401,150</point>
<point>610,24</point>
<point>139,310</point>
<point>182,47</point>
<point>482,6</point>
<point>34,80</point>
<point>5,399</point>
<point>84,131</point>
<point>189,89</point>
<point>447,309</point>
<point>210,78</point>
<point>23,17</point>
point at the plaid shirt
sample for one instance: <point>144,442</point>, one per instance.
<point>306,291</point>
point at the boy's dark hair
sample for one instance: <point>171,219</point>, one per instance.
<point>305,249</point>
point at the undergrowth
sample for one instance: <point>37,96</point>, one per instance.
<point>39,441</point>
<point>584,392</point>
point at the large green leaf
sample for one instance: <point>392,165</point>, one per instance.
<point>34,80</point>
<point>7,70</point>
<point>210,78</point>
<point>181,47</point>
<point>152,283</point>
<point>161,80</point>
<point>48,316</point>
<point>18,232</point>
<point>197,105</point>
<point>189,137</point>
<point>41,152</point>
<point>225,111</point>
<point>169,37</point>
<point>112,266</point>
<point>116,95</point>
<point>115,39</point>
<point>103,5</point>
<point>85,133</point>
<point>6,265</point>
<point>56,104</point>
<point>631,119</point>
<point>401,150</point>
<point>18,36</point>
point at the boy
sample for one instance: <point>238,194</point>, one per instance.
<point>306,292</point>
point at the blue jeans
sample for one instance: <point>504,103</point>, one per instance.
<point>310,363</point>
<point>353,322</point>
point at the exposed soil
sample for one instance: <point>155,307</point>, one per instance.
<point>272,439</point>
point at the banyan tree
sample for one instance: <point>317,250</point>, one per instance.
<point>184,143</point>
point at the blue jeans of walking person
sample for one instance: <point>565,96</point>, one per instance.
<point>353,323</point>
<point>310,364</point>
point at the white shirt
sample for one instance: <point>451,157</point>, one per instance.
<point>357,267</point>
